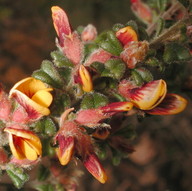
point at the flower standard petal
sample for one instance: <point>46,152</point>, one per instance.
<point>149,95</point>
<point>172,104</point>
<point>33,95</point>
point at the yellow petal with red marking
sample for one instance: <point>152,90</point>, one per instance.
<point>126,35</point>
<point>65,150</point>
<point>87,84</point>
<point>172,104</point>
<point>24,143</point>
<point>149,95</point>
<point>95,168</point>
<point>117,107</point>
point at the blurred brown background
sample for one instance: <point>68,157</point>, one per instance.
<point>163,157</point>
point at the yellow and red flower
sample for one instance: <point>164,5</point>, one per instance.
<point>24,144</point>
<point>126,35</point>
<point>152,97</point>
<point>33,95</point>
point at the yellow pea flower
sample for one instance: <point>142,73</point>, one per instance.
<point>33,95</point>
<point>24,144</point>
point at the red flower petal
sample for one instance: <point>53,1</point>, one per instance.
<point>172,104</point>
<point>95,168</point>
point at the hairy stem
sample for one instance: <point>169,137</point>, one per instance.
<point>175,7</point>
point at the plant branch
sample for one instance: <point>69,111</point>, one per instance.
<point>175,7</point>
<point>172,33</point>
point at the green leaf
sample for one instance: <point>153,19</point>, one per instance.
<point>45,187</point>
<point>176,52</point>
<point>49,126</point>
<point>48,149</point>
<point>50,69</point>
<point>60,103</point>
<point>60,60</point>
<point>137,77</point>
<point>161,4</point>
<point>117,27</point>
<point>65,73</point>
<point>45,126</point>
<point>98,66</point>
<point>132,24</point>
<point>142,34</point>
<point>109,42</point>
<point>114,68</point>
<point>154,62</point>
<point>160,27</point>
<point>44,77</point>
<point>145,74</point>
<point>43,173</point>
<point>93,100</point>
<point>116,157</point>
<point>17,175</point>
<point>89,48</point>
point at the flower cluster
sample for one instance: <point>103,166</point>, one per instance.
<point>75,104</point>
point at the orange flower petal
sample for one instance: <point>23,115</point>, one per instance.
<point>86,79</point>
<point>26,141</point>
<point>126,35</point>
<point>172,104</point>
<point>43,98</point>
<point>28,150</point>
<point>149,95</point>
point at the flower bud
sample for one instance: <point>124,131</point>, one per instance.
<point>89,33</point>
<point>134,52</point>
<point>126,35</point>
